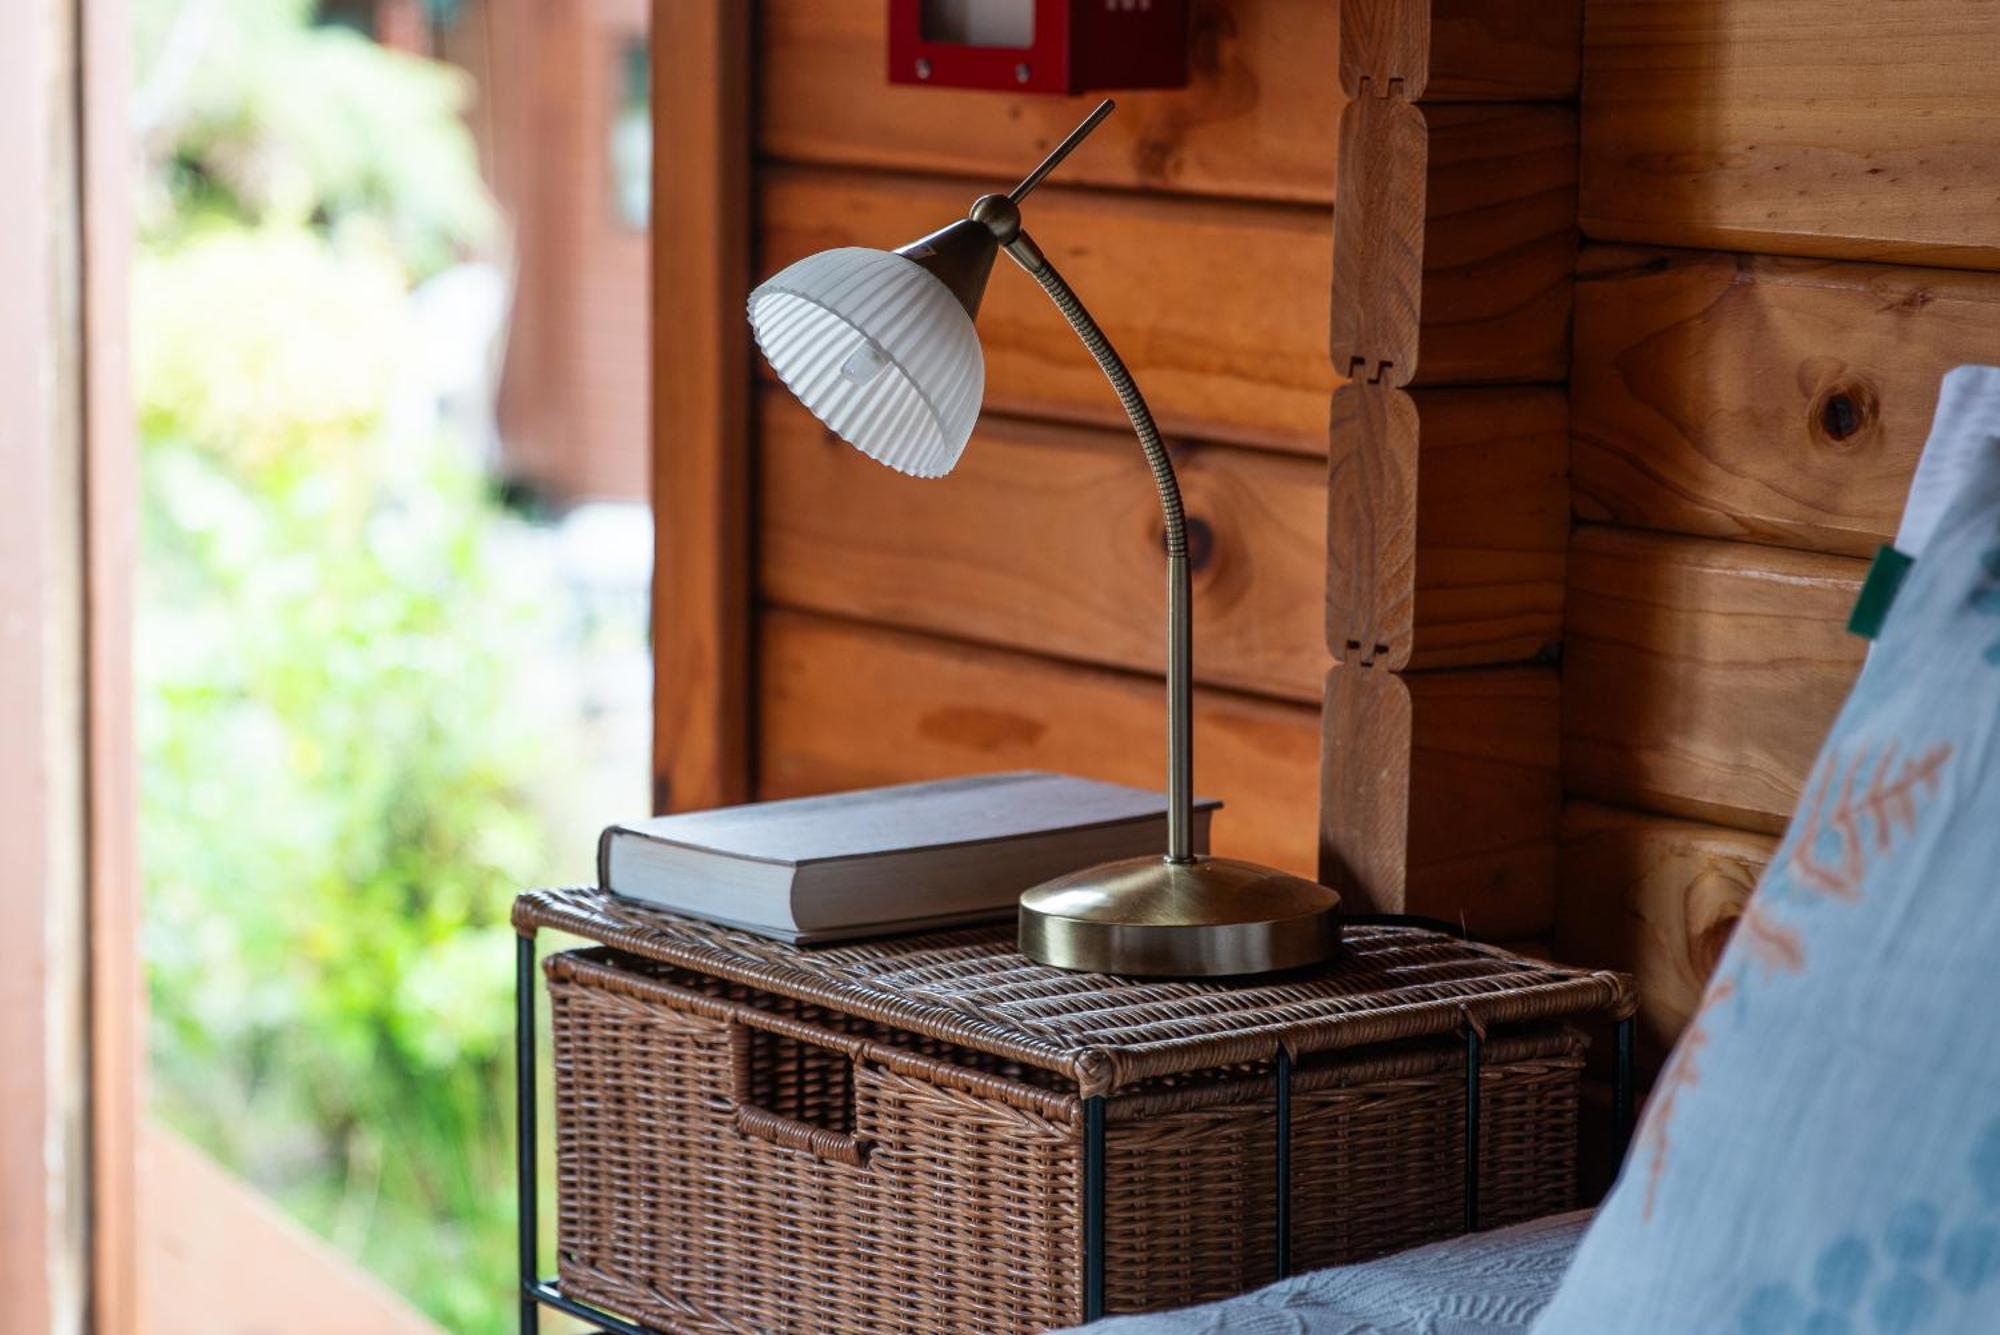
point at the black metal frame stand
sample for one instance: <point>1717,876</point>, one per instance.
<point>537,1293</point>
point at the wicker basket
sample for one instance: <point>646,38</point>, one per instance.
<point>869,1139</point>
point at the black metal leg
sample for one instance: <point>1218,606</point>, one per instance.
<point>1621,1089</point>
<point>1284,1138</point>
<point>1093,1208</point>
<point>552,1296</point>
<point>527,1207</point>
<point>1472,1045</point>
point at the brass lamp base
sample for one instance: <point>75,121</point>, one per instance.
<point>1208,918</point>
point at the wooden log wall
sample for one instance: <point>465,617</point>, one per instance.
<point>1013,613</point>
<point>1791,213</point>
<point>1541,385</point>
<point>1447,516</point>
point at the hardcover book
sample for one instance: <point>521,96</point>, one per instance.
<point>902,858</point>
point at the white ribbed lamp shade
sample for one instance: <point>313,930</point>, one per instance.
<point>879,350</point>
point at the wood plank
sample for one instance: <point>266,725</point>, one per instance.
<point>701,405</point>
<point>1220,308</point>
<point>1440,795</point>
<point>847,705</point>
<point>1371,525</point>
<point>1500,244</point>
<point>1256,119</point>
<point>1457,243</point>
<point>223,1260</point>
<point>1365,788</point>
<point>1379,219</point>
<point>1492,526</point>
<point>1699,677</point>
<point>1655,897</point>
<point>1841,128</point>
<point>1781,400</point>
<point>1484,796</point>
<point>1448,524</point>
<point>1462,50</point>
<point>1048,538</point>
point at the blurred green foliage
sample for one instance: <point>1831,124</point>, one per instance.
<point>249,111</point>
<point>334,769</point>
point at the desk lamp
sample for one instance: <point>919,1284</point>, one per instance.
<point>880,345</point>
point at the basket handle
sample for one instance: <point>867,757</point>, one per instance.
<point>790,1133</point>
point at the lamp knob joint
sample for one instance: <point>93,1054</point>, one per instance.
<point>1000,215</point>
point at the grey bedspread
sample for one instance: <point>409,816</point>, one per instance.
<point>1483,1284</point>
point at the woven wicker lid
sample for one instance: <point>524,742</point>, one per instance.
<point>972,988</point>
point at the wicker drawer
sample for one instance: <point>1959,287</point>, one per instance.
<point>733,1159</point>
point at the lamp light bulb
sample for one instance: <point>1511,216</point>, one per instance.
<point>864,363</point>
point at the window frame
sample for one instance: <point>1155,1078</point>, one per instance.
<point>71,1001</point>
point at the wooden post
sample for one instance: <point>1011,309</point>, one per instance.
<point>1447,502</point>
<point>701,403</point>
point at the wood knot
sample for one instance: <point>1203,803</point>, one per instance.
<point>1706,944</point>
<point>1712,907</point>
<point>1154,158</point>
<point>1200,542</point>
<point>1844,411</point>
<point>1211,29</point>
<point>1839,417</point>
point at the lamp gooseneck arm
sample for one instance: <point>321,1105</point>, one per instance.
<point>1180,615</point>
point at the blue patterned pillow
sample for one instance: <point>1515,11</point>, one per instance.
<point>1821,1154</point>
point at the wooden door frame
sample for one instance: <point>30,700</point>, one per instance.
<point>70,1000</point>
<point>703,223</point>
